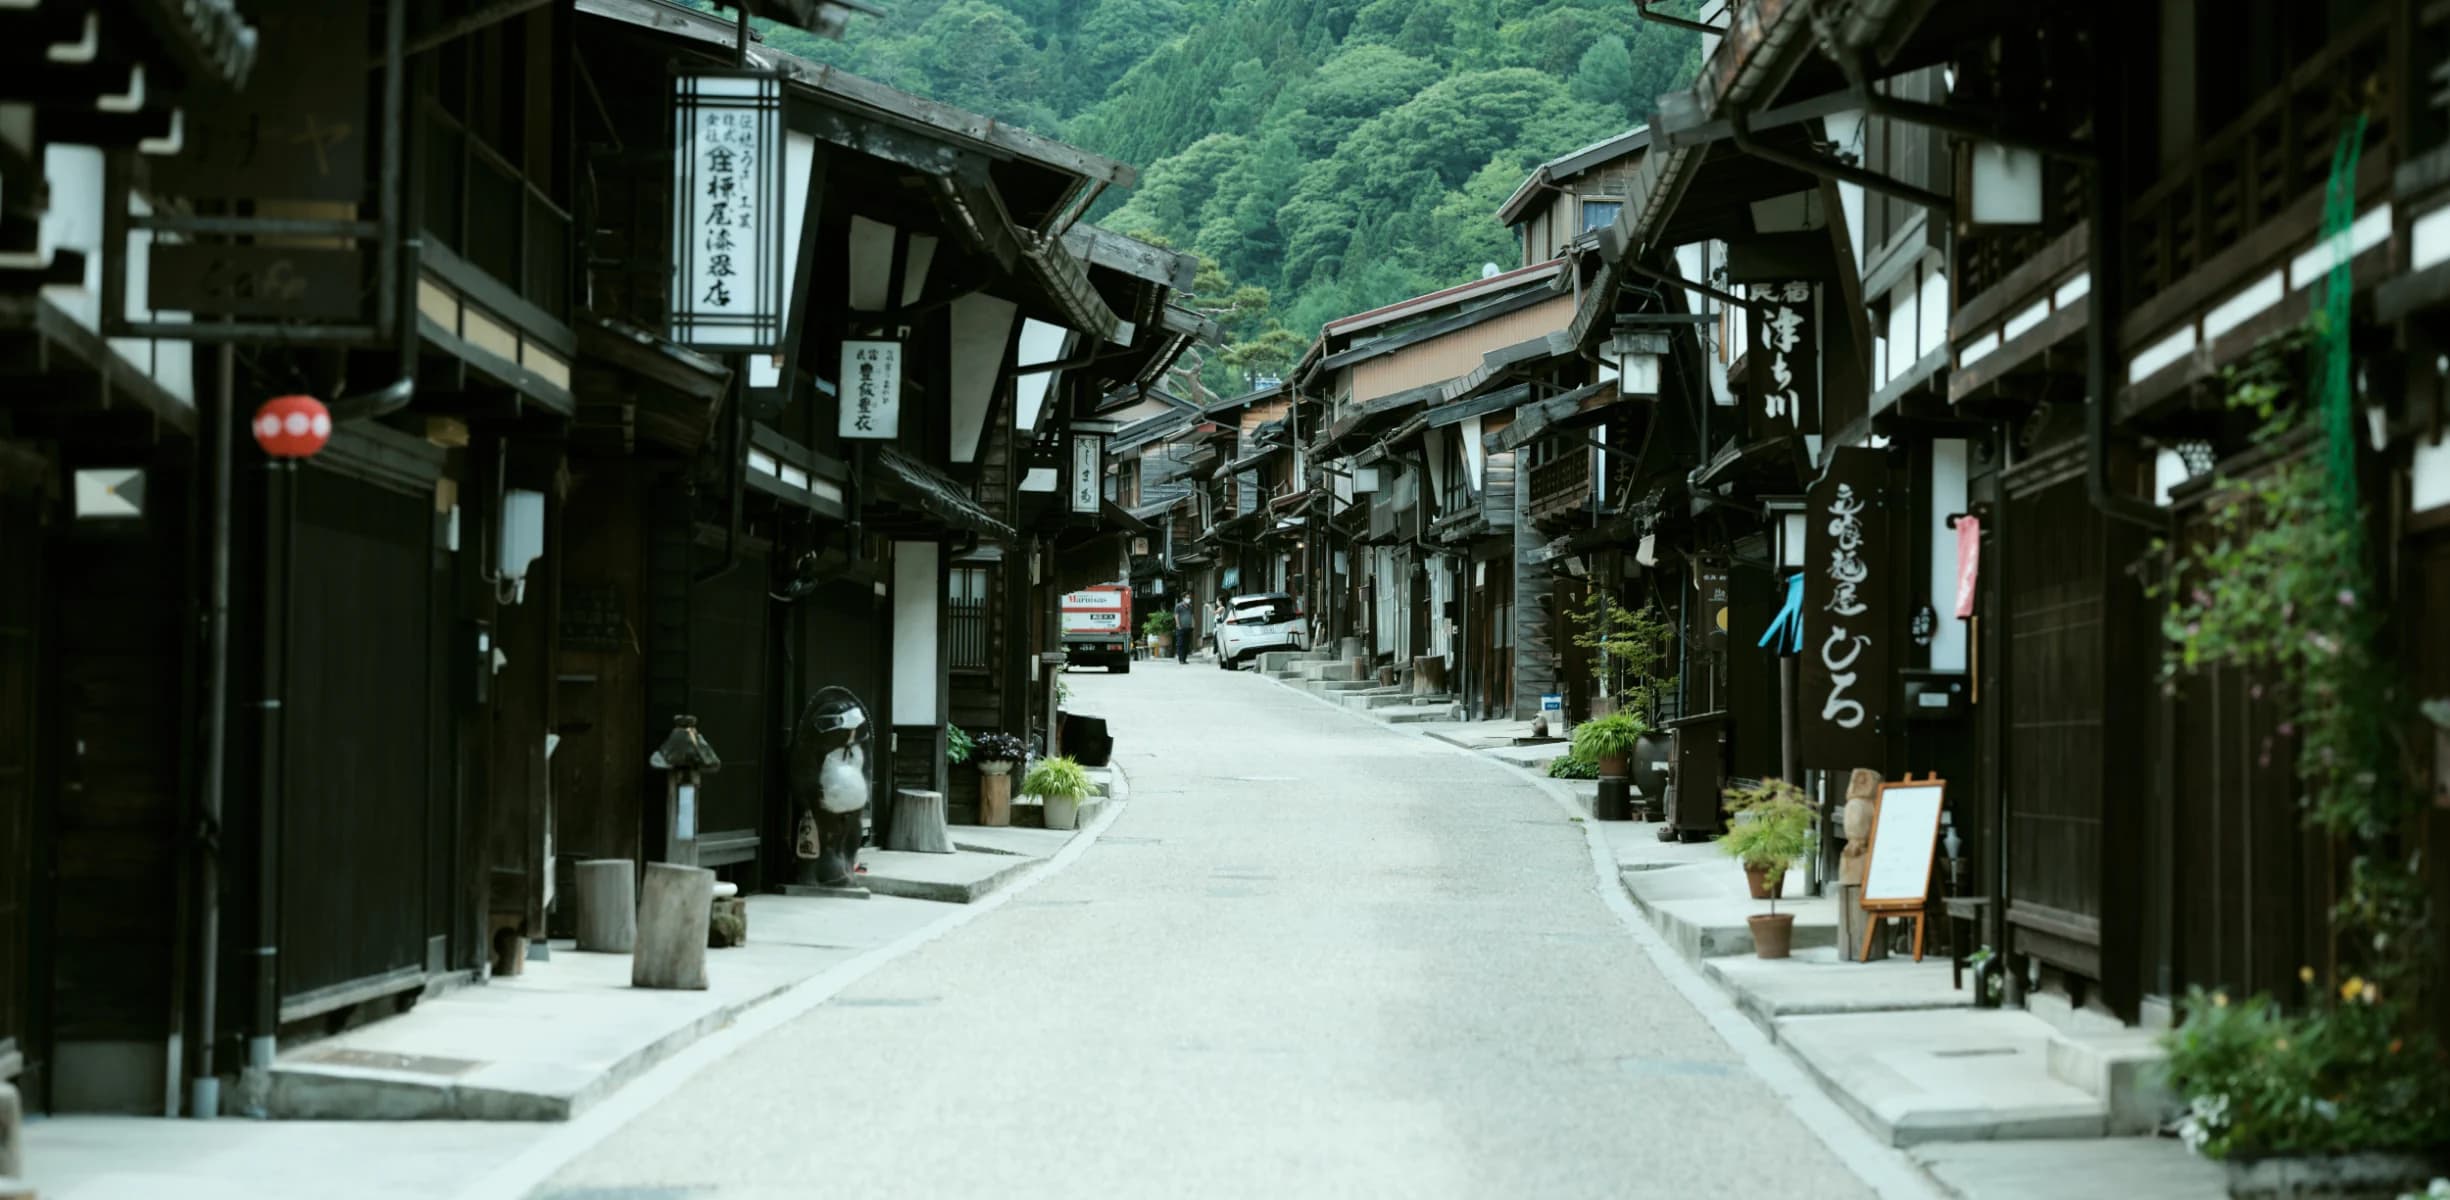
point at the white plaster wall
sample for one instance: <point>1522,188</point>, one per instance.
<point>982,334</point>
<point>1948,494</point>
<point>799,154</point>
<point>918,677</point>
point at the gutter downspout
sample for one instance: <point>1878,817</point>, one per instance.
<point>204,1087</point>
<point>2101,344</point>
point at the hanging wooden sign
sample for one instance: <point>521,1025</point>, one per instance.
<point>869,391</point>
<point>1785,358</point>
<point>727,212</point>
<point>1088,472</point>
<point>1846,677</point>
<point>1905,833</point>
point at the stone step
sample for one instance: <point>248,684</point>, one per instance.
<point>1914,1078</point>
<point>1413,716</point>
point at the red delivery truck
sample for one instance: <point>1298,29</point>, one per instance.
<point>1097,627</point>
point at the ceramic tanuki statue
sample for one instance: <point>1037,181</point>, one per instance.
<point>829,785</point>
<point>1862,792</point>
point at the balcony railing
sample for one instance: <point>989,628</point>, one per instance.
<point>2255,168</point>
<point>1561,484</point>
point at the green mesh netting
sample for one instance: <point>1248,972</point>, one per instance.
<point>2338,407</point>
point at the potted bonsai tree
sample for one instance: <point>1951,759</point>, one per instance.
<point>995,754</point>
<point>1060,784</point>
<point>1771,828</point>
<point>1609,741</point>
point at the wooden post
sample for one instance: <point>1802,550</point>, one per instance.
<point>995,798</point>
<point>673,911</point>
<point>607,895</point>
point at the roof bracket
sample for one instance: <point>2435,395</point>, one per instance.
<point>1829,168</point>
<point>1642,9</point>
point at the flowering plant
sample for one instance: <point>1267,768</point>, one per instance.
<point>2343,1075</point>
<point>999,747</point>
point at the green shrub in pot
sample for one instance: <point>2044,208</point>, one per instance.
<point>1061,784</point>
<point>1611,736</point>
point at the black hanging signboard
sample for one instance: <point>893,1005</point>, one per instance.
<point>1785,359</point>
<point>1846,680</point>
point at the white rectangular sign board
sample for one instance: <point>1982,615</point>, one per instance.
<point>870,390</point>
<point>1903,838</point>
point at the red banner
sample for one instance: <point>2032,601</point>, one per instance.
<point>1969,562</point>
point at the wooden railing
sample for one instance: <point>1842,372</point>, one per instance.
<point>1562,483</point>
<point>2250,171</point>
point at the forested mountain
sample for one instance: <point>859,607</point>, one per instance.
<point>1325,156</point>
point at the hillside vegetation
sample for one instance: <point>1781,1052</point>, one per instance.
<point>1322,156</point>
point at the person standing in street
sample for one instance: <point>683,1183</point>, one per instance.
<point>1186,628</point>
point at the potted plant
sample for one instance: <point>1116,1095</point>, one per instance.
<point>1629,653</point>
<point>995,754</point>
<point>1060,784</point>
<point>1160,630</point>
<point>957,745</point>
<point>1609,741</point>
<point>1771,828</point>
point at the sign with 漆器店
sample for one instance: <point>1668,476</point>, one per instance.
<point>870,390</point>
<point>1088,473</point>
<point>1845,685</point>
<point>727,212</point>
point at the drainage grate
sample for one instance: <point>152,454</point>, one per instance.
<point>887,1001</point>
<point>1975,1052</point>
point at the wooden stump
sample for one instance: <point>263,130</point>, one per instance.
<point>1428,675</point>
<point>995,798</point>
<point>607,894</point>
<point>673,911</point>
<point>919,823</point>
<point>12,1151</point>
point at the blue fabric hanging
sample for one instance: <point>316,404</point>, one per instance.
<point>1785,633</point>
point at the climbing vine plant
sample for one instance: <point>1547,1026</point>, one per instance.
<point>2278,587</point>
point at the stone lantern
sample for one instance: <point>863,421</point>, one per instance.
<point>687,757</point>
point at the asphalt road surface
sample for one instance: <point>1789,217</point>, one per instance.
<point>1314,957</point>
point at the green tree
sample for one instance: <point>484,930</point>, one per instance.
<point>1605,77</point>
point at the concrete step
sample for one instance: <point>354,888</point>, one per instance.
<point>2126,1070</point>
<point>1324,670</point>
<point>1943,1076</point>
<point>1703,911</point>
<point>1413,716</point>
<point>1342,686</point>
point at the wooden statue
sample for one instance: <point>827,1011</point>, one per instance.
<point>1862,807</point>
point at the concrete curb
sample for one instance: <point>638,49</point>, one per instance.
<point>566,1142</point>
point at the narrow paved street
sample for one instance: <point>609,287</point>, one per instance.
<point>1314,956</point>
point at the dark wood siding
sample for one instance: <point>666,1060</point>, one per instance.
<point>20,643</point>
<point>728,659</point>
<point>118,602</point>
<point>353,816</point>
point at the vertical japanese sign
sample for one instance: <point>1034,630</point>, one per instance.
<point>1785,357</point>
<point>1846,684</point>
<point>870,390</point>
<point>1088,472</point>
<point>1710,605</point>
<point>727,207</point>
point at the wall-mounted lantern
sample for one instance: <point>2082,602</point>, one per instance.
<point>1786,530</point>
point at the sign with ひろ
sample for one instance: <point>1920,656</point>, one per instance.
<point>870,390</point>
<point>1846,682</point>
<point>727,212</point>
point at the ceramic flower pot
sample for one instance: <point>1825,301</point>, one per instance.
<point>1062,812</point>
<point>1773,934</point>
<point>1612,766</point>
<point>1758,877</point>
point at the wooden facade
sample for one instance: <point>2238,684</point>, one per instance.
<point>378,788</point>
